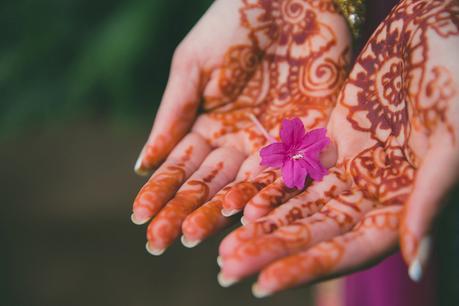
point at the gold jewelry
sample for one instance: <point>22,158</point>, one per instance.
<point>354,12</point>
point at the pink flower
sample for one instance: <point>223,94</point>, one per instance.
<point>297,154</point>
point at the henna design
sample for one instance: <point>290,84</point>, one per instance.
<point>397,96</point>
<point>167,224</point>
<point>153,154</point>
<point>206,220</point>
<point>242,192</point>
<point>289,60</point>
<point>162,186</point>
<point>328,257</point>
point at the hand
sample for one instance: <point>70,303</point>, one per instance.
<point>395,128</point>
<point>265,59</point>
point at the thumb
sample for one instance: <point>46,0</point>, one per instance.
<point>434,178</point>
<point>175,116</point>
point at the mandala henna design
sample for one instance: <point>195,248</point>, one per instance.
<point>285,58</point>
<point>390,114</point>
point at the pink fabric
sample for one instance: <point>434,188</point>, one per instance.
<point>388,284</point>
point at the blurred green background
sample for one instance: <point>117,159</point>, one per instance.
<point>80,82</point>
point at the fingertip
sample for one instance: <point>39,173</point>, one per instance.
<point>138,221</point>
<point>140,215</point>
<point>225,281</point>
<point>139,167</point>
<point>415,271</point>
<point>219,261</point>
<point>228,212</point>
<point>153,251</point>
<point>416,267</point>
<point>259,292</point>
<point>189,243</point>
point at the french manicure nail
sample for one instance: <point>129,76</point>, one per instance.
<point>415,270</point>
<point>243,221</point>
<point>219,261</point>
<point>187,243</point>
<point>140,215</point>
<point>155,252</point>
<point>225,282</point>
<point>229,212</point>
<point>258,292</point>
<point>138,166</point>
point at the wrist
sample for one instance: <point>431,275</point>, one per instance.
<point>354,11</point>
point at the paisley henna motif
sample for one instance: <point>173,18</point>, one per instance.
<point>397,99</point>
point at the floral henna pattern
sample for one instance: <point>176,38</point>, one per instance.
<point>294,67</point>
<point>167,225</point>
<point>205,221</point>
<point>396,108</point>
<point>325,257</point>
<point>160,187</point>
<point>284,58</point>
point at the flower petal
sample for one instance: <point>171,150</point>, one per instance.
<point>314,168</point>
<point>273,155</point>
<point>293,174</point>
<point>314,142</point>
<point>292,131</point>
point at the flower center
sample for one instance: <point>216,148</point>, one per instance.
<point>297,156</point>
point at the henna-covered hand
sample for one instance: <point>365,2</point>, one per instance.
<point>269,59</point>
<point>396,131</point>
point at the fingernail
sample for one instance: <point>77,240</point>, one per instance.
<point>229,212</point>
<point>152,251</point>
<point>243,222</point>
<point>416,267</point>
<point>258,292</point>
<point>189,244</point>
<point>219,261</point>
<point>225,282</point>
<point>138,166</point>
<point>140,215</point>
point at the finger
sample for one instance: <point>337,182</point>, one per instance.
<point>219,168</point>
<point>374,237</point>
<point>165,182</point>
<point>434,178</point>
<point>242,192</point>
<point>205,221</point>
<point>338,216</point>
<point>267,199</point>
<point>250,168</point>
<point>300,206</point>
<point>175,116</point>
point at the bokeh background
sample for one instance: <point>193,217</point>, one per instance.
<point>80,82</point>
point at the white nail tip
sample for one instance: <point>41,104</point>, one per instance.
<point>219,261</point>
<point>152,251</point>
<point>137,222</point>
<point>415,271</point>
<point>187,243</point>
<point>138,166</point>
<point>416,268</point>
<point>225,282</point>
<point>243,222</point>
<point>259,293</point>
<point>229,212</point>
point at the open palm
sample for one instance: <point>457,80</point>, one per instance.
<point>244,59</point>
<point>395,128</point>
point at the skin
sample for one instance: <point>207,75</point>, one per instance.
<point>265,59</point>
<point>396,127</point>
